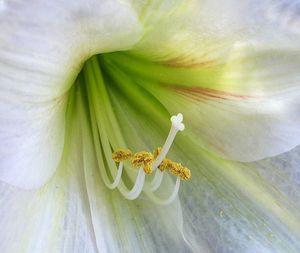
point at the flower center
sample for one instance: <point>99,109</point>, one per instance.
<point>107,125</point>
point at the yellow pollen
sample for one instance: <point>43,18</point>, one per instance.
<point>143,159</point>
<point>176,168</point>
<point>156,152</point>
<point>121,155</point>
<point>165,164</point>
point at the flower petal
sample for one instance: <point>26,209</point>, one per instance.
<point>199,32</point>
<point>231,68</point>
<point>43,45</point>
<point>241,97</point>
<point>54,218</point>
<point>237,210</point>
<point>236,126</point>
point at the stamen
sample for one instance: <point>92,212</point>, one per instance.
<point>116,182</point>
<point>168,200</point>
<point>176,168</point>
<point>156,182</point>
<point>147,162</point>
<point>143,159</point>
<point>121,155</point>
<point>137,188</point>
<point>165,164</point>
<point>156,152</point>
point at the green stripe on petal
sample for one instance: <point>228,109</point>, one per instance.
<point>252,119</point>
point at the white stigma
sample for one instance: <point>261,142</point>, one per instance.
<point>177,122</point>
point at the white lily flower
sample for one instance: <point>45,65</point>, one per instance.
<point>80,79</point>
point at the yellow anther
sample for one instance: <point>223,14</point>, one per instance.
<point>185,174</point>
<point>121,155</point>
<point>143,159</point>
<point>156,152</point>
<point>179,170</point>
<point>165,164</point>
<point>176,168</point>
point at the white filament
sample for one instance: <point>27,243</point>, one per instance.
<point>137,188</point>
<point>156,181</point>
<point>117,179</point>
<point>168,200</point>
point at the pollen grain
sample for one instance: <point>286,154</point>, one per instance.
<point>121,155</point>
<point>143,159</point>
<point>177,169</point>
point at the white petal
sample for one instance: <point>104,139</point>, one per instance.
<point>239,129</point>
<point>234,209</point>
<point>42,48</point>
<point>31,141</point>
<point>53,219</point>
<point>283,173</point>
<point>198,32</point>
<point>229,68</point>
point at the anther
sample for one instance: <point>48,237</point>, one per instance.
<point>165,164</point>
<point>156,152</point>
<point>177,169</point>
<point>121,155</point>
<point>143,159</point>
